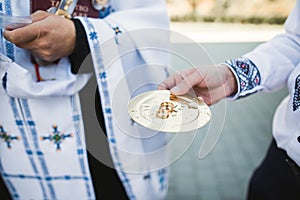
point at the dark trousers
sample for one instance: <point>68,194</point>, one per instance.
<point>276,178</point>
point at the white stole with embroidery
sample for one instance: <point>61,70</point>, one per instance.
<point>124,70</point>
<point>42,149</point>
<point>130,54</point>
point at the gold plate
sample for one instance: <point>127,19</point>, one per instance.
<point>159,110</point>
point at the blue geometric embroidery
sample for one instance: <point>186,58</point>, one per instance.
<point>162,178</point>
<point>57,137</point>
<point>48,178</point>
<point>80,150</point>
<point>147,176</point>
<point>18,119</point>
<point>6,137</point>
<point>99,67</point>
<point>103,75</point>
<point>296,98</point>
<point>248,75</point>
<point>10,48</point>
<point>38,151</point>
<point>108,110</point>
<point>117,32</point>
<point>93,35</point>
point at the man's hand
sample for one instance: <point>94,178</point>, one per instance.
<point>211,83</point>
<point>48,38</point>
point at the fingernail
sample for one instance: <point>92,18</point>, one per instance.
<point>200,98</point>
<point>175,90</point>
<point>161,87</point>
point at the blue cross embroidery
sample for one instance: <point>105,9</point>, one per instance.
<point>93,35</point>
<point>103,75</point>
<point>117,32</point>
<point>6,137</point>
<point>108,110</point>
<point>56,137</point>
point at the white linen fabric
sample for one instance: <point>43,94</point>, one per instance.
<point>42,147</point>
<point>272,66</point>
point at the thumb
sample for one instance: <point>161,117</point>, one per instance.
<point>180,89</point>
<point>39,15</point>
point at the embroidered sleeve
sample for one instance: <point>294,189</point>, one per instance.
<point>247,76</point>
<point>296,98</point>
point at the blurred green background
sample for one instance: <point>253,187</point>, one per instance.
<point>255,11</point>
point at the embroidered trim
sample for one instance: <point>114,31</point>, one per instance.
<point>31,124</point>
<point>81,152</point>
<point>29,151</point>
<point>162,173</point>
<point>247,74</point>
<point>44,177</point>
<point>54,178</point>
<point>9,46</point>
<point>117,29</point>
<point>57,137</point>
<point>7,138</point>
<point>39,167</point>
<point>296,98</point>
<point>102,80</point>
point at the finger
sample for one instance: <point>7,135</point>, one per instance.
<point>162,86</point>
<point>39,15</point>
<point>22,35</point>
<point>27,33</point>
<point>187,83</point>
<point>181,88</point>
<point>171,81</point>
<point>201,98</point>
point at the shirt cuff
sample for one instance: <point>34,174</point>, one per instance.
<point>247,76</point>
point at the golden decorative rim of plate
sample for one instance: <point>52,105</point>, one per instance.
<point>161,111</point>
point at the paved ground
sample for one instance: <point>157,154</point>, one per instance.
<point>225,172</point>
